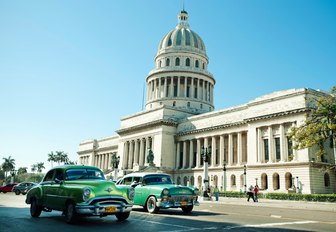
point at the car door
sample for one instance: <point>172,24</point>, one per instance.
<point>58,194</point>
<point>47,190</point>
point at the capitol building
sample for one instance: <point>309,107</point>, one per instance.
<point>247,144</point>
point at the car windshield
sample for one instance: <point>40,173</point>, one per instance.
<point>85,173</point>
<point>157,179</point>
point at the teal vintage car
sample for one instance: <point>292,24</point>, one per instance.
<point>155,191</point>
<point>79,190</point>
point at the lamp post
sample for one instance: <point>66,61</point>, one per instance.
<point>297,184</point>
<point>13,173</point>
<point>224,176</point>
<point>206,153</point>
<point>244,178</point>
<point>115,163</point>
<point>256,181</point>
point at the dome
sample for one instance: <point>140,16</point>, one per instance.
<point>182,38</point>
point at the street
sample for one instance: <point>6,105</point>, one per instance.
<point>233,215</point>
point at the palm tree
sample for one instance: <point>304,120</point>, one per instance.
<point>34,168</point>
<point>22,170</point>
<point>40,166</point>
<point>51,158</point>
<point>8,165</point>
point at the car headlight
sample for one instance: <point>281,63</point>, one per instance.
<point>131,193</point>
<point>165,192</point>
<point>86,194</point>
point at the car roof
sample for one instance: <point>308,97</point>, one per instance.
<point>72,166</point>
<point>142,174</point>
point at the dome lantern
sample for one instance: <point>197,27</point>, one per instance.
<point>183,18</point>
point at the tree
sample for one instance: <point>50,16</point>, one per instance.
<point>319,127</point>
<point>59,157</point>
<point>34,168</point>
<point>8,165</point>
<point>39,167</point>
<point>22,170</point>
<point>51,158</point>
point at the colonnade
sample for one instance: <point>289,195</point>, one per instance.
<point>180,86</point>
<point>230,148</point>
<point>135,152</point>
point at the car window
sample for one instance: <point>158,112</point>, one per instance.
<point>85,173</point>
<point>127,180</point>
<point>157,179</point>
<point>137,179</point>
<point>49,176</point>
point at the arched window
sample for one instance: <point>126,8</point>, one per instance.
<point>215,180</point>
<point>178,182</point>
<point>203,66</point>
<point>177,62</point>
<point>192,181</point>
<point>174,103</point>
<point>187,62</point>
<point>264,184</point>
<point>326,180</point>
<point>160,64</point>
<point>196,63</point>
<point>233,180</point>
<point>241,181</point>
<point>185,181</point>
<point>288,180</point>
<point>167,62</point>
<point>276,181</point>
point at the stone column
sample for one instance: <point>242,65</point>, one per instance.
<point>136,152</point>
<point>131,155</point>
<point>191,153</point>
<point>185,86</point>
<point>192,88</point>
<point>221,150</point>
<point>184,154</point>
<point>198,88</point>
<point>213,151</point>
<point>165,87</point>
<point>283,150</point>
<point>270,145</point>
<point>230,150</point>
<point>239,148</point>
<point>198,155</point>
<point>171,86</point>
<point>125,163</point>
<point>178,86</point>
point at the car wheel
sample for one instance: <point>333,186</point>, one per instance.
<point>187,209</point>
<point>17,192</point>
<point>122,216</point>
<point>151,205</point>
<point>70,213</point>
<point>35,209</point>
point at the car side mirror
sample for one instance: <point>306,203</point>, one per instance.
<point>134,184</point>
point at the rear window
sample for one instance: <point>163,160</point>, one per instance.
<point>85,173</point>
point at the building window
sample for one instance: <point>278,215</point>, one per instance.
<point>233,180</point>
<point>288,180</point>
<point>188,104</point>
<point>196,63</point>
<point>187,62</point>
<point>160,64</point>
<point>167,62</point>
<point>192,181</point>
<point>174,103</point>
<point>264,184</point>
<point>203,66</point>
<point>185,181</point>
<point>326,180</point>
<point>177,62</point>
<point>266,150</point>
<point>178,180</point>
<point>201,106</point>
<point>277,149</point>
<point>276,181</point>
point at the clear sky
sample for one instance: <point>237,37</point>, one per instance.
<point>69,70</point>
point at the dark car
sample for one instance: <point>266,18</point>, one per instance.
<point>78,190</point>
<point>23,187</point>
<point>6,188</point>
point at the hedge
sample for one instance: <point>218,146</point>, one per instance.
<point>286,196</point>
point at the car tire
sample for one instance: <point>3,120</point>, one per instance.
<point>122,216</point>
<point>187,209</point>
<point>17,192</point>
<point>70,213</point>
<point>151,205</point>
<point>35,209</point>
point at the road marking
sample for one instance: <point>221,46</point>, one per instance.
<point>275,216</point>
<point>272,224</point>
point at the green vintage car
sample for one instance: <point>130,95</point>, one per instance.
<point>79,190</point>
<point>155,191</point>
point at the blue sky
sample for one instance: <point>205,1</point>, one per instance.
<point>69,70</point>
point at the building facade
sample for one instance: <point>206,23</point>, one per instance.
<point>249,143</point>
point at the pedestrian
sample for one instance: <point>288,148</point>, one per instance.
<point>209,192</point>
<point>256,190</point>
<point>250,193</point>
<point>216,191</point>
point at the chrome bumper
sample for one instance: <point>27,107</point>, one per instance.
<point>100,208</point>
<point>169,204</point>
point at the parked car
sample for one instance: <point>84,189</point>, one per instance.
<point>155,191</point>
<point>23,187</point>
<point>6,188</point>
<point>79,190</point>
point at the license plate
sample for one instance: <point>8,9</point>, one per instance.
<point>183,203</point>
<point>110,209</point>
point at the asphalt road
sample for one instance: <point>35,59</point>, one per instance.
<point>232,215</point>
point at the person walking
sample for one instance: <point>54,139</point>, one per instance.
<point>256,190</point>
<point>250,193</point>
<point>216,191</point>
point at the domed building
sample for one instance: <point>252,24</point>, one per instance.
<point>231,148</point>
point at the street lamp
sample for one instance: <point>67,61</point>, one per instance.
<point>297,184</point>
<point>256,181</point>
<point>224,176</point>
<point>244,178</point>
<point>206,153</point>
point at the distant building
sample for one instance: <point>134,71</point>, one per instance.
<point>179,120</point>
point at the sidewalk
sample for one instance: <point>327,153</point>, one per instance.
<point>308,205</point>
